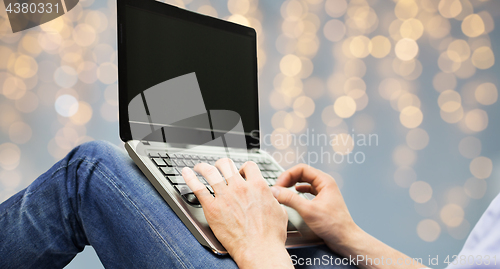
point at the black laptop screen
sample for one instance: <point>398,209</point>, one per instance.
<point>162,48</point>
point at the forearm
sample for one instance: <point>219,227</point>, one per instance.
<point>366,249</point>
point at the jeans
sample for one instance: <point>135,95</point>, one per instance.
<point>97,196</point>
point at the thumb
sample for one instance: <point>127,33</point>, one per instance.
<point>289,198</point>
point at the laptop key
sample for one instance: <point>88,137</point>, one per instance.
<point>191,198</point>
<point>163,154</point>
<point>189,163</point>
<point>159,162</point>
<point>176,179</point>
<point>168,162</point>
<point>169,170</point>
<point>183,189</point>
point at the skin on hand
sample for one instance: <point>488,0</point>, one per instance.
<point>328,217</point>
<point>244,216</point>
<point>327,214</point>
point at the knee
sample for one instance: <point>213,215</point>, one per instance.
<point>97,151</point>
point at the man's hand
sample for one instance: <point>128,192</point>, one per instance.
<point>243,215</point>
<point>327,213</point>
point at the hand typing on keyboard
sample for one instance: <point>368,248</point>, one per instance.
<point>243,214</point>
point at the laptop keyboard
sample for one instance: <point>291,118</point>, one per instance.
<point>171,166</point>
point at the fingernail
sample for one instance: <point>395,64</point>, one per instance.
<point>187,171</point>
<point>275,191</point>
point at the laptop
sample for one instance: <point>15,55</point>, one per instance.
<point>187,86</point>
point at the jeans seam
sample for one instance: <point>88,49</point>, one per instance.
<point>96,165</point>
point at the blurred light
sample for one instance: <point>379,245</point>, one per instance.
<point>20,132</point>
<point>280,138</point>
<point>291,86</point>
<point>457,196</point>
<point>344,106</point>
<point>334,30</point>
<point>102,53</point>
<point>9,180</point>
<point>359,46</point>
<point>379,46</point>
<point>389,87</point>
<point>97,20</point>
<point>83,114</point>
<point>355,87</point>
<point>461,231</point>
<point>483,58</point>
<point>486,94</point>
<point>10,155</point>
<point>411,117</point>
<point>238,6</point>
<point>314,87</point>
<point>406,100</point>
<point>449,101</point>
<point>476,120</point>
<point>481,167</point>
<point>459,48</point>
<point>50,41</point>
<point>84,35</point>
<point>405,176</point>
<point>489,23</point>
<point>66,105</point>
<point>107,73</point>
<point>14,88</point>
<point>450,8</point>
<point>330,118</point>
<point>65,76</point>
<point>87,72</point>
<point>335,8</point>
<point>25,66</point>
<point>404,156</point>
<point>290,65</point>
<point>30,44</point>
<point>278,119</point>
<point>412,29</point>
<point>473,25</point>
<point>475,187</point>
<point>343,144</point>
<point>417,139</point>
<point>470,147</point>
<point>437,27</point>
<point>406,9</point>
<point>303,106</point>
<point>447,64</point>
<point>294,123</point>
<point>452,215</point>
<point>406,49</point>
<point>355,68</point>
<point>109,112</point>
<point>420,192</point>
<point>466,70</point>
<point>279,101</point>
<point>292,10</point>
<point>452,117</point>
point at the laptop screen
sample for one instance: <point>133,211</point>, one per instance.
<point>184,69</point>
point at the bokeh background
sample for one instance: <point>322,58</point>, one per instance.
<point>418,75</point>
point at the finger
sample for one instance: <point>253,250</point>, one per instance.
<point>228,169</point>
<point>304,173</point>
<point>306,189</point>
<point>212,175</point>
<point>251,171</point>
<point>196,186</point>
<point>291,199</point>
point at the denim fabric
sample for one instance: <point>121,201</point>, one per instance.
<point>96,195</point>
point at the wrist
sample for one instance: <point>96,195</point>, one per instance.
<point>263,256</point>
<point>352,238</point>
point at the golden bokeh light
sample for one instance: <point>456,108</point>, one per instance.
<point>417,139</point>
<point>447,64</point>
<point>456,195</point>
<point>489,23</point>
<point>107,73</point>
<point>461,231</point>
<point>330,118</point>
<point>335,8</point>
<point>281,138</point>
<point>406,9</point>
<point>334,30</point>
<point>405,176</point>
<point>355,68</point>
<point>476,120</point>
<point>473,25</point>
<point>466,70</point>
<point>412,29</point>
<point>450,8</point>
<point>379,46</point>
<point>420,192</point>
<point>406,49</point>
<point>84,35</point>
<point>83,114</point>
<point>303,106</point>
<point>278,119</point>
<point>208,10</point>
<point>28,103</point>
<point>483,58</point>
<point>20,132</point>
<point>405,100</point>
<point>459,50</point>
<point>290,65</point>
<point>238,6</point>
<point>344,106</point>
<point>411,117</point>
<point>486,94</point>
<point>239,19</point>
<point>449,101</point>
<point>10,155</point>
<point>404,156</point>
<point>452,215</point>
<point>14,88</point>
<point>437,27</point>
<point>470,147</point>
<point>25,66</point>
<point>342,143</point>
<point>428,230</point>
<point>294,123</point>
<point>452,117</point>
<point>475,188</point>
<point>359,46</point>
<point>390,88</point>
<point>289,86</point>
<point>354,87</point>
<point>481,167</point>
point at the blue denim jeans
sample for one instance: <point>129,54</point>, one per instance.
<point>97,196</point>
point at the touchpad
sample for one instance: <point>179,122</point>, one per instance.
<point>291,230</point>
